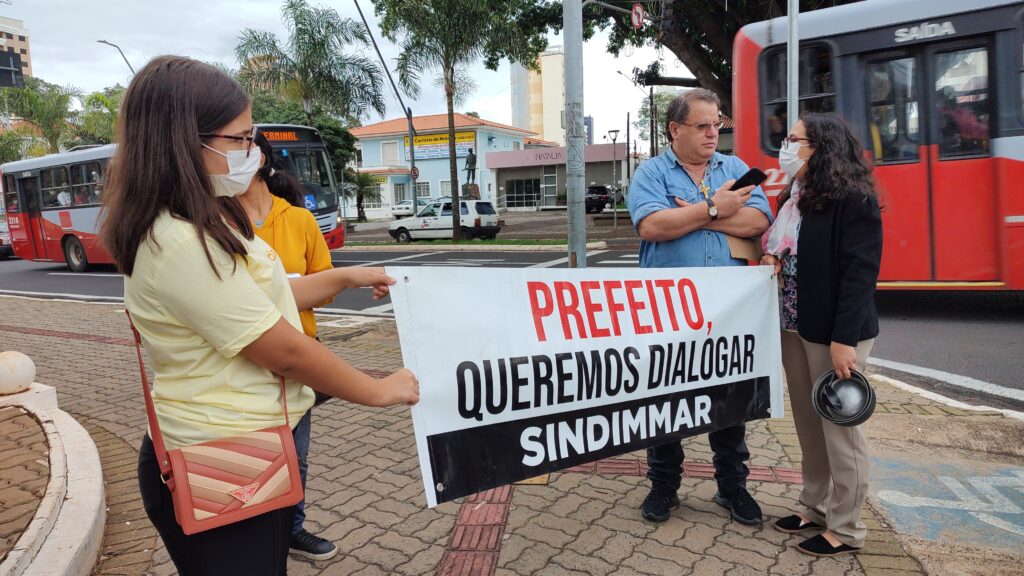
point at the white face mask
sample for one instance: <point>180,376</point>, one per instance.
<point>788,159</point>
<point>241,169</point>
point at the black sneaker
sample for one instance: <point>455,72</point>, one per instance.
<point>741,504</point>
<point>659,503</point>
<point>311,546</point>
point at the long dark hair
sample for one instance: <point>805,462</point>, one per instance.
<point>280,182</point>
<point>836,168</point>
<point>158,163</point>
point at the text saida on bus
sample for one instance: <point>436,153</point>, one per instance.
<point>53,202</point>
<point>934,90</point>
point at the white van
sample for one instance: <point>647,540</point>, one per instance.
<point>478,219</point>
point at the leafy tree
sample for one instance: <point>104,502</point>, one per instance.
<point>473,114</point>
<point>699,34</point>
<point>268,108</point>
<point>312,67</point>
<point>12,146</point>
<point>445,37</point>
<point>48,109</point>
<point>99,116</point>
<point>643,119</point>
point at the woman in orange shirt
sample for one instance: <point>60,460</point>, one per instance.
<point>274,205</point>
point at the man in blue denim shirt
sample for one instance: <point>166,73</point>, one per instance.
<point>682,207</point>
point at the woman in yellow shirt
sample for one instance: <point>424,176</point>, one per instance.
<point>216,311</point>
<point>274,204</point>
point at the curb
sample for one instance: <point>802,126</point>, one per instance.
<point>64,536</point>
<point>945,400</point>
<point>413,247</point>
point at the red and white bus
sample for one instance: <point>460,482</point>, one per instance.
<point>53,202</point>
<point>934,90</point>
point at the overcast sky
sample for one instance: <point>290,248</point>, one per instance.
<point>63,35</point>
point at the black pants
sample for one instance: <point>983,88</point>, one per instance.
<point>665,462</point>
<point>256,546</point>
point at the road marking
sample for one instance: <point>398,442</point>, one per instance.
<point>613,263</point>
<point>101,275</point>
<point>51,295</point>
<point>382,309</point>
<point>630,256</point>
<point>954,379</point>
<point>990,501</point>
<point>399,259</point>
<point>347,312</point>
<point>564,260</point>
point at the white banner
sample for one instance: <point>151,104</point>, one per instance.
<point>527,371</point>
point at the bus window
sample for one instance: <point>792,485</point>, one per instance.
<point>962,104</point>
<point>11,194</point>
<point>817,89</point>
<point>314,171</point>
<point>893,121</point>
<point>85,183</point>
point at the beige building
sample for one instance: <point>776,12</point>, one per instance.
<point>14,38</point>
<point>538,97</point>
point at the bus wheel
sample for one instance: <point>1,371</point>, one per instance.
<point>74,255</point>
<point>403,235</point>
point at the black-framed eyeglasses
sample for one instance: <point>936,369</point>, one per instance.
<point>248,139</point>
<point>705,126</point>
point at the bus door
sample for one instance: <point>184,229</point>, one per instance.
<point>29,189</point>
<point>963,184</point>
<point>929,121</point>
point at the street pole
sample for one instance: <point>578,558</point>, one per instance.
<point>615,184</point>
<point>792,65</point>
<point>629,157</point>
<point>654,115</point>
<point>122,54</point>
<point>572,24</point>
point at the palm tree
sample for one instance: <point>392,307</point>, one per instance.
<point>446,37</point>
<point>312,65</point>
<point>99,115</point>
<point>365,187</point>
<point>48,109</point>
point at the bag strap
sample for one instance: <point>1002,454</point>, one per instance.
<point>154,424</point>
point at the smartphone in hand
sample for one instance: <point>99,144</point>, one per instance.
<point>753,177</point>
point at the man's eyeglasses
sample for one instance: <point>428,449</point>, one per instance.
<point>705,126</point>
<point>248,139</point>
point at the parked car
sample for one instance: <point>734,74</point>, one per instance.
<point>6,250</point>
<point>404,208</point>
<point>478,219</point>
<point>596,198</point>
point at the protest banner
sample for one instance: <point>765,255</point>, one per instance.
<point>528,371</point>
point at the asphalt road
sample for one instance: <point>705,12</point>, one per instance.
<point>975,335</point>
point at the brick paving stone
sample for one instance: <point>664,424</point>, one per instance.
<point>22,487</point>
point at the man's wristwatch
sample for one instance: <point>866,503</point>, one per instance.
<point>712,209</point>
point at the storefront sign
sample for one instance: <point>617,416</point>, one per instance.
<point>430,146</point>
<point>547,369</point>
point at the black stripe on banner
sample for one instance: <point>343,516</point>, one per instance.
<point>477,459</point>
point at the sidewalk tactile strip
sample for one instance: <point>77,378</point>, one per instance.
<point>633,467</point>
<point>476,538</point>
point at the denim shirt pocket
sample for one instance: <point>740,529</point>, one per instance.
<point>684,191</point>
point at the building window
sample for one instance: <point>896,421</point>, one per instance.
<point>8,35</point>
<point>816,93</point>
<point>401,192</point>
<point>522,193</point>
<point>21,38</point>
<point>446,188</point>
<point>423,189</point>
<point>371,198</point>
<point>515,145</point>
<point>23,51</point>
<point>389,153</point>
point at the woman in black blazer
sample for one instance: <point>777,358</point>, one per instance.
<point>827,245</point>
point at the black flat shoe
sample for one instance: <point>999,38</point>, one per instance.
<point>795,524</point>
<point>819,546</point>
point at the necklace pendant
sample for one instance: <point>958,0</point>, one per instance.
<point>704,188</point>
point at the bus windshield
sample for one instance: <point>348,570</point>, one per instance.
<point>313,168</point>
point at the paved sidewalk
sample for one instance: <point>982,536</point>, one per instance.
<point>365,493</point>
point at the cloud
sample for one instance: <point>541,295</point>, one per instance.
<point>63,35</point>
